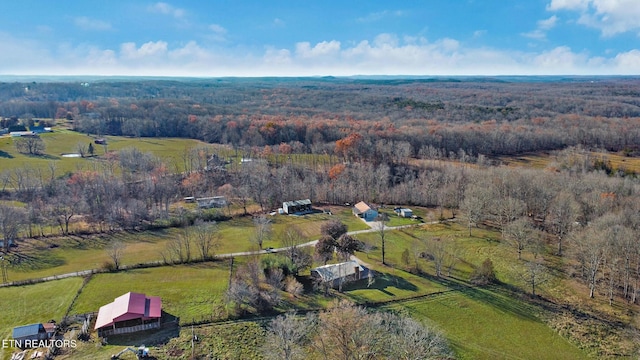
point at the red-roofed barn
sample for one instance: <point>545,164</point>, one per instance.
<point>129,313</point>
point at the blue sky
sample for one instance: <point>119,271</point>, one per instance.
<point>328,37</point>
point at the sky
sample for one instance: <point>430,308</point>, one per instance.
<point>215,38</point>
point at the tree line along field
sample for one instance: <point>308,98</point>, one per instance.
<point>560,220</point>
<point>193,291</point>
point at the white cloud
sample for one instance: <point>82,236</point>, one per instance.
<point>386,54</point>
<point>325,48</point>
<point>479,33</point>
<point>166,9</point>
<point>549,23</point>
<point>278,22</point>
<point>277,57</point>
<point>611,17</point>
<point>86,23</point>
<point>149,49</point>
<point>540,33</point>
<point>376,16</point>
<point>568,5</point>
<point>629,61</point>
<point>217,29</point>
<point>386,40</point>
<point>217,33</point>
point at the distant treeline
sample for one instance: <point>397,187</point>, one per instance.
<point>476,116</point>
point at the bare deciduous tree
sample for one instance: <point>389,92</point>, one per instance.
<point>589,248</point>
<point>115,252</point>
<point>334,228</point>
<point>11,220</point>
<point>287,336</point>
<point>261,231</point>
<point>381,230</point>
<point>82,149</point>
<point>476,200</point>
<point>520,234</point>
<point>562,216</point>
<point>534,274</point>
<point>32,145</point>
<point>205,236</point>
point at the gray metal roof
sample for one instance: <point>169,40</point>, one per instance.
<point>336,271</point>
<point>27,330</point>
<point>298,202</point>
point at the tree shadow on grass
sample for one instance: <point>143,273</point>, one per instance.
<point>6,155</point>
<point>382,281</point>
<point>500,296</point>
<point>43,156</point>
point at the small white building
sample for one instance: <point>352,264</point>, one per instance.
<point>406,213</point>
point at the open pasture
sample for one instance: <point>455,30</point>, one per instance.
<point>24,305</point>
<point>66,141</point>
<point>187,291</point>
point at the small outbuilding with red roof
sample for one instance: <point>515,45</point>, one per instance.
<point>131,312</point>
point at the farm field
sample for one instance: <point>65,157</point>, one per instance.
<point>195,291</point>
<point>187,291</point>
<point>483,324</point>
<point>450,304</point>
<point>543,160</point>
<point>61,255</point>
<point>24,305</point>
<point>65,142</point>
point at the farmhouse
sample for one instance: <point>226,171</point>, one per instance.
<point>364,211</point>
<point>31,332</point>
<point>297,206</point>
<point>337,274</point>
<point>211,202</point>
<point>131,312</point>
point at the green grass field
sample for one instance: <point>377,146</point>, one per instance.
<point>65,141</point>
<point>482,324</point>
<point>187,291</point>
<point>24,305</point>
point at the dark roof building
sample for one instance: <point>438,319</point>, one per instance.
<point>30,332</point>
<point>297,206</point>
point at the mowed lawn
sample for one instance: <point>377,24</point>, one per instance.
<point>71,254</point>
<point>66,141</point>
<point>481,324</point>
<point>187,291</point>
<point>24,305</point>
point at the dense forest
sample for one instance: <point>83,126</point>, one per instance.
<point>487,116</point>
<point>426,142</point>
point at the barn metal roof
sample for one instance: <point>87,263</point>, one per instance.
<point>27,330</point>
